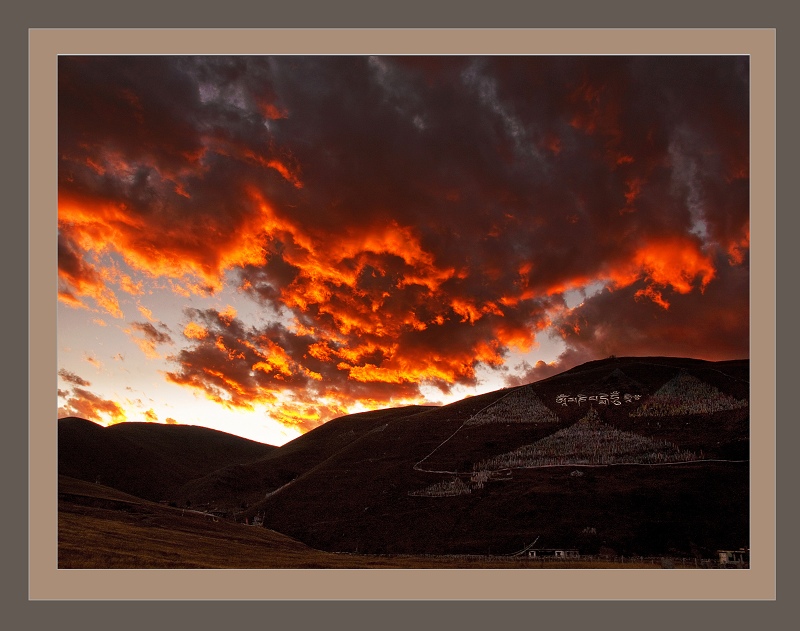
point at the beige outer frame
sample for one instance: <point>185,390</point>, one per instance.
<point>49,583</point>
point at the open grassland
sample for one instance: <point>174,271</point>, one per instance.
<point>92,542</point>
<point>101,528</point>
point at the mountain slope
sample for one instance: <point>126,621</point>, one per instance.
<point>148,460</point>
<point>367,496</point>
<point>410,480</point>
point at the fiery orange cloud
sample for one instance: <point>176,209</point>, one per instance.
<point>324,262</point>
<point>93,282</point>
<point>272,111</point>
<point>399,368</point>
<point>307,414</point>
<point>675,263</point>
<point>739,247</point>
<point>321,351</point>
<point>357,353</point>
<point>325,266</point>
<point>147,347</point>
<point>236,371</point>
<point>471,313</point>
<point>194,331</point>
<point>274,360</point>
<point>227,315</point>
<point>435,369</point>
<point>578,281</point>
<point>151,338</point>
<point>220,388</point>
<point>653,294</point>
<point>312,375</point>
<point>92,360</point>
<point>150,416</point>
<point>521,338</point>
<point>273,163</point>
<point>88,405</point>
<point>237,367</point>
<point>634,188</point>
<point>230,384</point>
<point>125,282</point>
<point>160,250</point>
<point>78,278</point>
<point>405,244</point>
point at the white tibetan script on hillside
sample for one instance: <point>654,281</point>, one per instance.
<point>601,399</point>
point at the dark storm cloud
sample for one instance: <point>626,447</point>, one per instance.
<point>78,278</point>
<point>417,216</point>
<point>620,323</point>
<point>151,333</point>
<point>72,378</point>
<point>152,337</point>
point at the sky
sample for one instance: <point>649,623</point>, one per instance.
<point>261,244</point>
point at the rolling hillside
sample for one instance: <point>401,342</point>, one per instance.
<point>148,460</point>
<point>638,456</point>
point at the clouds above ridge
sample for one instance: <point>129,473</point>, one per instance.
<point>413,217</point>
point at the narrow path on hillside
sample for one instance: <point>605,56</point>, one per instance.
<point>417,467</point>
<point>305,474</point>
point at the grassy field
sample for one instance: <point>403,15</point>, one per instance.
<point>108,543</point>
<point>101,528</point>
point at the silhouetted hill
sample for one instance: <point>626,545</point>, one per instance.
<point>239,485</point>
<point>148,460</point>
<point>416,485</point>
<point>635,455</point>
<point>101,527</point>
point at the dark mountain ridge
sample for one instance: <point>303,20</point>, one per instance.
<point>148,460</point>
<point>417,479</point>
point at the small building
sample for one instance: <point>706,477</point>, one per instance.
<point>734,558</point>
<point>554,553</point>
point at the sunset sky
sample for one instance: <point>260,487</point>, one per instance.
<point>262,244</point>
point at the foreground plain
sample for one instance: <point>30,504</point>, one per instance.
<point>101,528</point>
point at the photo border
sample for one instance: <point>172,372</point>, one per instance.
<point>47,582</point>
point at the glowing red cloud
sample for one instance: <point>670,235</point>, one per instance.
<point>88,405</point>
<point>411,231</point>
